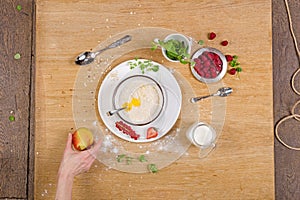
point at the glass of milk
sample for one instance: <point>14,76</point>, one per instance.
<point>202,136</point>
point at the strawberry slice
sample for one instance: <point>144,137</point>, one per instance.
<point>151,133</point>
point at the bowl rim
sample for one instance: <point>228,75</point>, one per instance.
<point>224,66</point>
<point>160,89</point>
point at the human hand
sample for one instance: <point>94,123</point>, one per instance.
<point>76,162</point>
<point>73,163</point>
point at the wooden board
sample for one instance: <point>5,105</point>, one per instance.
<point>16,145</point>
<point>242,166</point>
<point>285,63</point>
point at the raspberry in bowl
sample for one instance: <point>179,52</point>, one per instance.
<point>209,66</point>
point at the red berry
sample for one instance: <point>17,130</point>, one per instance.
<point>210,55</point>
<point>197,60</point>
<point>207,64</point>
<point>213,69</point>
<point>224,43</point>
<point>216,56</point>
<point>229,58</point>
<point>219,68</point>
<point>206,75</point>
<point>218,61</point>
<point>204,53</point>
<point>232,71</point>
<point>201,73</point>
<point>151,133</point>
<point>213,74</point>
<point>197,68</point>
<point>202,57</point>
<point>211,35</point>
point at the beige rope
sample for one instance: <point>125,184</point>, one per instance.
<point>277,134</point>
<point>293,115</point>
<point>293,81</point>
<point>291,27</point>
<point>294,108</point>
<point>296,46</point>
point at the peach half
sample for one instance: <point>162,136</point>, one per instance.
<point>82,138</point>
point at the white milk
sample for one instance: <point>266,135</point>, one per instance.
<point>202,135</point>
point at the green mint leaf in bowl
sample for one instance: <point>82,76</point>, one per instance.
<point>175,48</point>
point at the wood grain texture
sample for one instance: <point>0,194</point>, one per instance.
<point>242,166</point>
<point>285,63</point>
<point>16,175</point>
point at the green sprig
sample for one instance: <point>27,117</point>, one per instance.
<point>17,56</point>
<point>235,64</point>
<point>200,42</point>
<point>120,157</point>
<point>142,158</point>
<point>147,65</point>
<point>123,157</point>
<point>19,7</point>
<point>11,118</point>
<point>175,50</point>
<point>152,168</point>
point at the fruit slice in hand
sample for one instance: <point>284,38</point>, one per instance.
<point>151,133</point>
<point>82,138</point>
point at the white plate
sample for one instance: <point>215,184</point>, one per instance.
<point>166,119</point>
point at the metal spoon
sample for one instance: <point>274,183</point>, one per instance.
<point>88,56</point>
<point>222,92</point>
<point>112,112</point>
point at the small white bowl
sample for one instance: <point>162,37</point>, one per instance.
<point>209,69</point>
<point>181,38</point>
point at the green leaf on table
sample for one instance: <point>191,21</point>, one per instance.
<point>120,157</point>
<point>142,158</point>
<point>19,7</point>
<point>128,160</point>
<point>11,118</point>
<point>200,42</point>
<point>152,168</point>
<point>17,56</point>
<point>123,157</point>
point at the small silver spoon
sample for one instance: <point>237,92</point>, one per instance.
<point>222,92</point>
<point>112,112</point>
<point>88,56</point>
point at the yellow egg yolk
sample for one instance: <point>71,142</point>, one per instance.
<point>134,102</point>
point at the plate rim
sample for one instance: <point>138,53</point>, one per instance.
<point>131,72</point>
